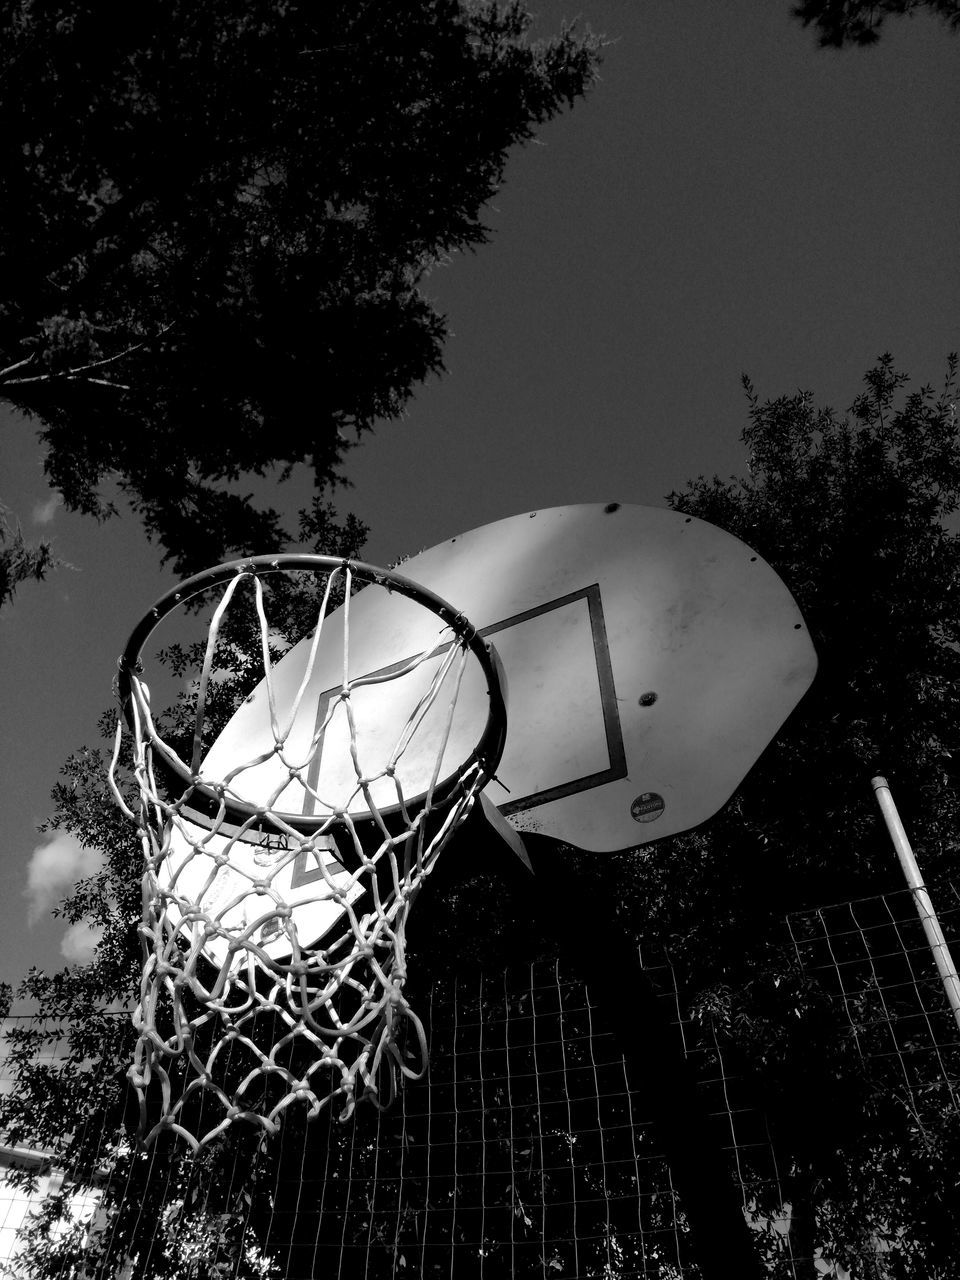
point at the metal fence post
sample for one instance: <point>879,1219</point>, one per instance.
<point>928,917</point>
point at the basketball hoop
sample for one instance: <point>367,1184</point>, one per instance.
<point>280,862</point>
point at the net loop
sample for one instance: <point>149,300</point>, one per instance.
<point>274,937</point>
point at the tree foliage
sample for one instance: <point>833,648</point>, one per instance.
<point>19,562</point>
<point>858,22</point>
<point>857,513</point>
<point>162,1213</point>
<point>215,222</point>
<point>854,514</point>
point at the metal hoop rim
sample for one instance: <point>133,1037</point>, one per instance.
<point>485,756</point>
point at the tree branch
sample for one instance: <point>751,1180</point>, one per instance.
<point>77,374</point>
<point>12,368</point>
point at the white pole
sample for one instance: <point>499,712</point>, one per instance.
<point>928,917</point>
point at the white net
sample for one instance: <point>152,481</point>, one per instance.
<point>278,875</point>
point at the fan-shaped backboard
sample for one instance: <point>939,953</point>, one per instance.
<point>650,658</point>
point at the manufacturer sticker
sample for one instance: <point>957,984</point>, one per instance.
<point>647,807</point>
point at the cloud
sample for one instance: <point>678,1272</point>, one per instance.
<point>43,512</point>
<point>54,867</point>
<point>80,942</point>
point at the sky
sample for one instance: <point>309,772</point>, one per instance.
<point>730,198</point>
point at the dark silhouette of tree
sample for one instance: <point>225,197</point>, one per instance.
<point>19,561</point>
<point>846,22</point>
<point>161,1213</point>
<point>215,220</point>
<point>854,512</point>
<point>215,224</point>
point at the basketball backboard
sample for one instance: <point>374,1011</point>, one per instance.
<point>649,659</point>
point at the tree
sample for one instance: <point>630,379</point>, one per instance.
<point>19,561</point>
<point>215,222</point>
<point>844,22</point>
<point>163,1213</point>
<point>854,513</point>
